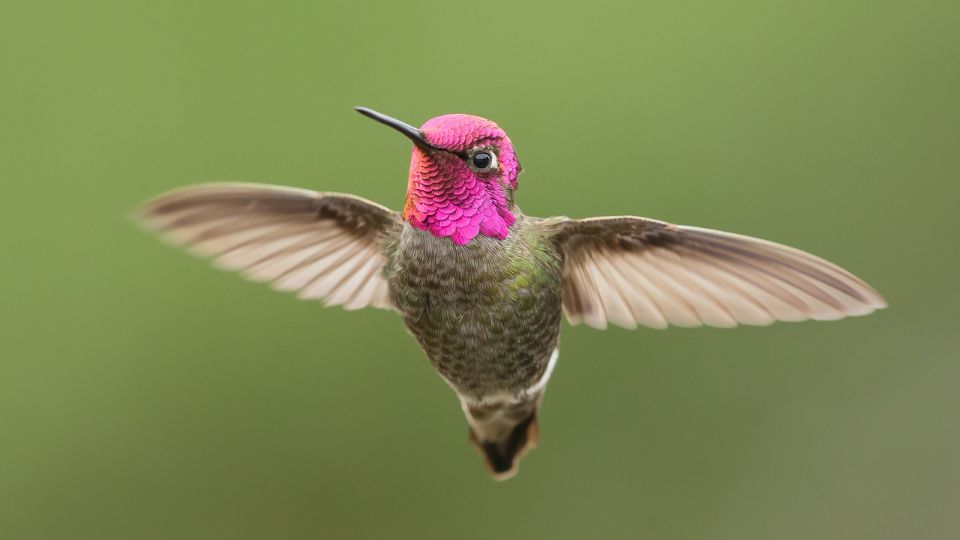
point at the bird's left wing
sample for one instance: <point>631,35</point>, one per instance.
<point>327,246</point>
<point>630,270</point>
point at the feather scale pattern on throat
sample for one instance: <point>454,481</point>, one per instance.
<point>448,198</point>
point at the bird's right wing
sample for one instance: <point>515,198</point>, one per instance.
<point>630,270</point>
<point>327,246</point>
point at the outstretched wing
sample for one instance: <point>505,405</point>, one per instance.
<point>327,246</point>
<point>629,271</point>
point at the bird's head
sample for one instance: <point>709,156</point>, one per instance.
<point>463,174</point>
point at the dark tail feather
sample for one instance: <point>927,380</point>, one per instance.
<point>503,456</point>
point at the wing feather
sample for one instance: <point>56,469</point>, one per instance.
<point>642,305</point>
<point>615,307</point>
<point>326,246</point>
<point>699,297</point>
<point>671,300</point>
<point>630,270</point>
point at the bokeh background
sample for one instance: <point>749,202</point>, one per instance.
<point>146,395</point>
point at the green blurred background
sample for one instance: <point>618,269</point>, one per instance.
<point>145,395</point>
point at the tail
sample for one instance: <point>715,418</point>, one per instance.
<point>503,433</point>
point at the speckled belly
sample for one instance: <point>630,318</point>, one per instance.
<point>486,313</point>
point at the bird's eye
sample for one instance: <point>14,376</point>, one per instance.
<point>484,160</point>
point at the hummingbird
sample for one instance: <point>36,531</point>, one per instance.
<point>483,287</point>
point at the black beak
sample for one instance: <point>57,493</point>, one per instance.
<point>411,132</point>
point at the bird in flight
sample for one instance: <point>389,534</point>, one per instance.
<point>481,286</point>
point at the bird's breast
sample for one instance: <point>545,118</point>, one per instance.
<point>487,313</point>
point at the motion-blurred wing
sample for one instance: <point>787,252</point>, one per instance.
<point>327,246</point>
<point>629,271</point>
